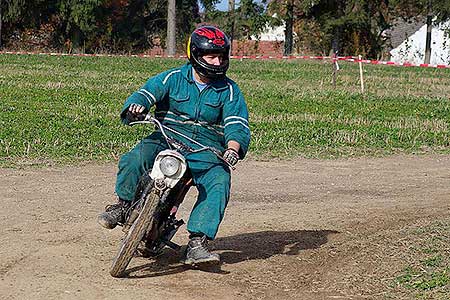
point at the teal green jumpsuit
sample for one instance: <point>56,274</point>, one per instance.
<point>213,117</point>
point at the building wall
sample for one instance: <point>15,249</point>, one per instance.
<point>239,48</point>
<point>269,43</point>
<point>412,49</point>
<point>251,47</point>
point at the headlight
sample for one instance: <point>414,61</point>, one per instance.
<point>169,165</point>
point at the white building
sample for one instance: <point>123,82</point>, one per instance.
<point>412,48</point>
<point>271,34</point>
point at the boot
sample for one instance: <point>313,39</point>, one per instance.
<point>197,252</point>
<point>114,214</point>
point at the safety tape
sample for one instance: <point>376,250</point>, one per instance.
<point>345,58</point>
<point>242,57</point>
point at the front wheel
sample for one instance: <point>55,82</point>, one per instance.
<point>134,236</point>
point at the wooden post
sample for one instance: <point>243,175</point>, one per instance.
<point>361,76</point>
<point>334,66</point>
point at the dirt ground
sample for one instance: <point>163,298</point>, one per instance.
<point>300,229</point>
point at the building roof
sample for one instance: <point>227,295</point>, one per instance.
<point>403,29</point>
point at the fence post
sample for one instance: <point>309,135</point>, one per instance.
<point>361,76</point>
<point>334,62</point>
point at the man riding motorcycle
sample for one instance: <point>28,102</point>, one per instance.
<point>200,101</point>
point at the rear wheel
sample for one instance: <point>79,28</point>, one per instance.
<point>134,236</point>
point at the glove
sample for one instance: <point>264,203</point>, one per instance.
<point>135,113</point>
<point>231,156</point>
<point>136,108</point>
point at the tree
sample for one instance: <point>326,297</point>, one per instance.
<point>289,34</point>
<point>171,29</point>
<point>231,8</point>
<point>428,37</point>
<point>352,26</point>
<point>79,21</point>
<point>285,10</point>
<point>344,26</point>
<point>1,4</point>
<point>17,15</point>
<point>117,25</point>
<point>248,19</point>
<point>188,16</point>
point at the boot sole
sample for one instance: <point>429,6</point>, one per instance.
<point>205,261</point>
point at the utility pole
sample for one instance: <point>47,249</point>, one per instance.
<point>231,6</point>
<point>171,28</point>
<point>428,38</point>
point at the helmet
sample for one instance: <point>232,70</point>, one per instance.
<point>209,40</point>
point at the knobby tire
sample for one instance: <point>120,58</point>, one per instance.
<point>134,236</point>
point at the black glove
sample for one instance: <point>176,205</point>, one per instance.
<point>231,156</point>
<point>135,113</point>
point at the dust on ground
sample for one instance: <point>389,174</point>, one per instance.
<point>299,229</point>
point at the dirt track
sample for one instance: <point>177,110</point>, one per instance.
<point>303,229</point>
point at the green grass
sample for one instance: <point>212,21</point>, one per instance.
<point>65,109</point>
<point>427,276</point>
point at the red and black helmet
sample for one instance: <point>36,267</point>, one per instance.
<point>209,40</point>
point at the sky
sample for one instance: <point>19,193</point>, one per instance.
<point>223,5</point>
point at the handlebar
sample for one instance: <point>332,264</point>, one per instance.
<point>149,119</point>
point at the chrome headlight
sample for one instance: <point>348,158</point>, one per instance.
<point>169,166</point>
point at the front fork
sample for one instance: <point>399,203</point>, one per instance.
<point>162,234</point>
<point>165,215</point>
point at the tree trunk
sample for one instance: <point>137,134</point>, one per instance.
<point>288,32</point>
<point>1,3</point>
<point>171,28</point>
<point>337,31</point>
<point>428,39</point>
<point>231,6</point>
<point>76,38</point>
<point>336,42</point>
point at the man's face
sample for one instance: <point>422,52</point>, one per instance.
<point>213,59</point>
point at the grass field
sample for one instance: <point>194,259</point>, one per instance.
<point>65,109</point>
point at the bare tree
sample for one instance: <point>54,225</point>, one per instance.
<point>171,28</point>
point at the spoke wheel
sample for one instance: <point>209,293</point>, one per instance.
<point>135,235</point>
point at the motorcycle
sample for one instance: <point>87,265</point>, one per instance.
<point>150,222</point>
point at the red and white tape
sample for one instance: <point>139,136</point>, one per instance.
<point>89,55</point>
<point>346,58</point>
<point>262,57</point>
<point>392,63</point>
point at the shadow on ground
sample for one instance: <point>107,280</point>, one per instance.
<point>238,248</point>
<point>264,244</point>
